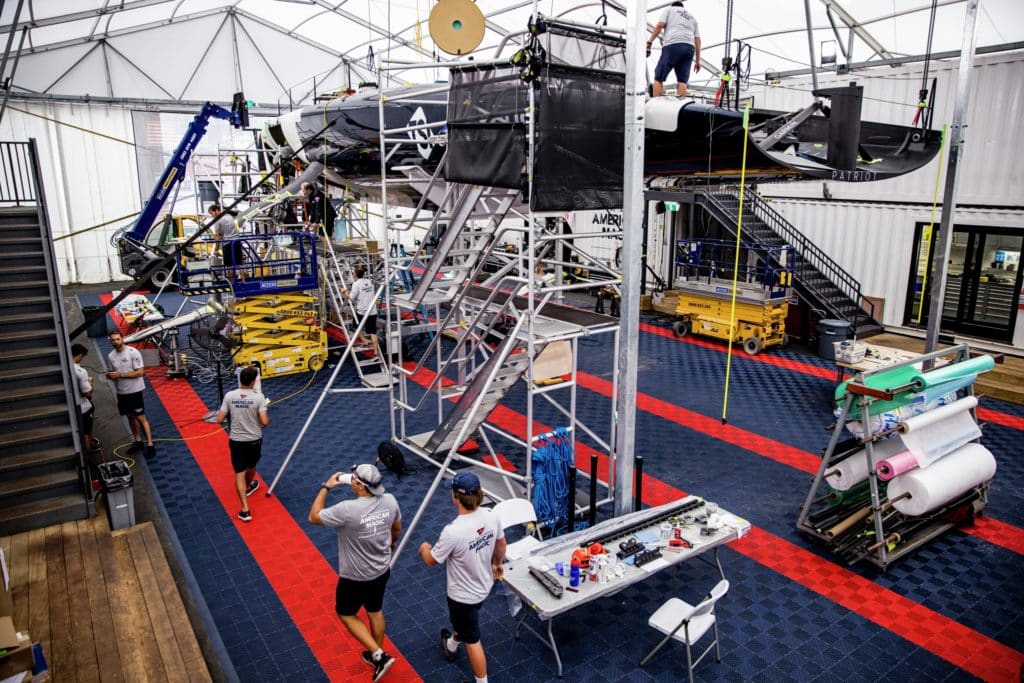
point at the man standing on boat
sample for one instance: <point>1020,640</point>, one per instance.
<point>680,48</point>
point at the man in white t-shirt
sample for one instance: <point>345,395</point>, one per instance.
<point>679,51</point>
<point>127,371</point>
<point>472,547</point>
<point>362,297</point>
<point>248,411</point>
<point>83,395</point>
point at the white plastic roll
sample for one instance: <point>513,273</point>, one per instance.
<point>933,434</point>
<point>942,481</point>
<point>854,469</point>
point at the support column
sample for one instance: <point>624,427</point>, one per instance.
<point>940,269</point>
<point>632,238</point>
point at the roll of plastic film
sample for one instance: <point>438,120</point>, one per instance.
<point>942,481</point>
<point>854,469</point>
<point>896,465</point>
<point>953,372</point>
<point>933,434</point>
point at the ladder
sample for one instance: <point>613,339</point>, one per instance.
<point>338,275</point>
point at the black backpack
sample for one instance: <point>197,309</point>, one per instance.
<point>389,455</point>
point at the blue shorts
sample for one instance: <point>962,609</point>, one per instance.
<point>678,56</point>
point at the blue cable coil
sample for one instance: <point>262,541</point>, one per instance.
<point>552,461</point>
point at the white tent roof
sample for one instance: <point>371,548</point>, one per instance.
<point>282,51</point>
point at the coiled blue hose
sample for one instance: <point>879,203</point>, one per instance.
<point>552,460</point>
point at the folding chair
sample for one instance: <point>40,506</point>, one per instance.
<point>514,512</point>
<point>687,623</point>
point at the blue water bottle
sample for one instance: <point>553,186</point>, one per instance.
<point>574,574</point>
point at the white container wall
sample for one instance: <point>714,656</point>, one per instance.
<point>88,179</point>
<point>992,167</point>
<point>875,242</point>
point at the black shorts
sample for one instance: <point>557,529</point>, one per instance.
<point>371,325</point>
<point>676,57</point>
<point>130,404</point>
<point>245,454</point>
<point>465,621</point>
<point>232,252</point>
<point>85,422</point>
<point>350,595</point>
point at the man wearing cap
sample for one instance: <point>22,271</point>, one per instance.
<point>472,547</point>
<point>680,49</point>
<point>368,529</point>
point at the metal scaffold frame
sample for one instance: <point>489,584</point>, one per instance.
<point>473,314</point>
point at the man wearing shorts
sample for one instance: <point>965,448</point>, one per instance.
<point>126,371</point>
<point>472,547</point>
<point>361,296</point>
<point>680,49</point>
<point>248,411</point>
<point>368,529</point>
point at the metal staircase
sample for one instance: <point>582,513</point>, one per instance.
<point>817,279</point>
<point>490,383</point>
<point>42,476</point>
<point>467,223</point>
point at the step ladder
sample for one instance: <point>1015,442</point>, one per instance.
<point>338,275</point>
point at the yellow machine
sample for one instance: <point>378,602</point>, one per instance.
<point>281,333</point>
<point>704,285</point>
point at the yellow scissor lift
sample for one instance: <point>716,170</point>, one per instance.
<point>277,305</point>
<point>704,282</point>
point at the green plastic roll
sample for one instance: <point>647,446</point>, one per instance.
<point>932,384</point>
<point>953,372</point>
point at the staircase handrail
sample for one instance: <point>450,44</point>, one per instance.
<point>17,167</point>
<point>808,251</point>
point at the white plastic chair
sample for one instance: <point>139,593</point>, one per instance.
<point>687,623</point>
<point>514,512</point>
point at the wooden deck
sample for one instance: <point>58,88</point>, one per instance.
<point>104,605</point>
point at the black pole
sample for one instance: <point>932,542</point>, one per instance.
<point>570,513</point>
<point>592,519</point>
<point>638,476</point>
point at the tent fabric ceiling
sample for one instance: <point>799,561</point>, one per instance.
<point>283,52</point>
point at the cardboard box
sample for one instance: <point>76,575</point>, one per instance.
<point>16,648</point>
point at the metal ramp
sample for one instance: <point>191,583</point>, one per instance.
<point>816,277</point>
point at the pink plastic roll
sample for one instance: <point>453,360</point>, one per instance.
<point>895,465</point>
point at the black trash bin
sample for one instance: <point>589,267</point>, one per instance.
<point>117,481</point>
<point>830,331</point>
<point>98,328</point>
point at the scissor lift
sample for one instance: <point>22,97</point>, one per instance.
<point>704,281</point>
<point>266,264</point>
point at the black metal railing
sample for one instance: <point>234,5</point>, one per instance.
<point>809,252</point>
<point>17,180</point>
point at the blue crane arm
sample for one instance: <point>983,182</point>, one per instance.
<point>174,173</point>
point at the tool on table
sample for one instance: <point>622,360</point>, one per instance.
<point>546,580</point>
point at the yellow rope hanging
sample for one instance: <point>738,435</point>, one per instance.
<point>736,261</point>
<point>931,226</point>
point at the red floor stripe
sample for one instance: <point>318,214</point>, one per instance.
<point>1004,419</point>
<point>963,647</point>
<point>299,574</point>
<point>988,414</point>
<point>998,533</point>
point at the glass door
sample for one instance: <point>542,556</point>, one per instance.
<point>983,283</point>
